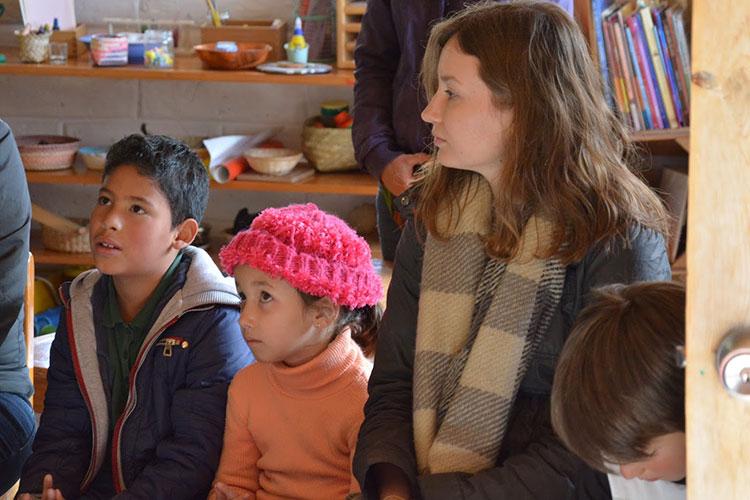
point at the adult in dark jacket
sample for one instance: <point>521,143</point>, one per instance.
<point>528,206</point>
<point>389,136</point>
<point>16,415</point>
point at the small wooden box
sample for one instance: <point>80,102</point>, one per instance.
<point>272,32</point>
<point>76,48</point>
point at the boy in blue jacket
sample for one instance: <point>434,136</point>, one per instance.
<point>147,345</point>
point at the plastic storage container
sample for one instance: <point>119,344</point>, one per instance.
<point>158,49</point>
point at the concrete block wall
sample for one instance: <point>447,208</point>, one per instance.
<point>101,111</point>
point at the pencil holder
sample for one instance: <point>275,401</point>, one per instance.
<point>34,48</point>
<point>296,55</point>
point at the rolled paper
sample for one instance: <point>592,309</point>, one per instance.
<point>229,170</point>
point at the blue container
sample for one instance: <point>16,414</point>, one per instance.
<point>135,53</point>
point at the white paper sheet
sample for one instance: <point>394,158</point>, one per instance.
<point>40,12</point>
<point>231,146</point>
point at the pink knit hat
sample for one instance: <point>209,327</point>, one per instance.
<point>315,252</point>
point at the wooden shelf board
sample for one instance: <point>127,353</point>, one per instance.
<point>45,256</point>
<point>356,8</point>
<point>352,183</point>
<point>672,134</point>
<point>186,68</point>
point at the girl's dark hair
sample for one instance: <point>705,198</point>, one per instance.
<point>363,322</point>
<point>618,383</point>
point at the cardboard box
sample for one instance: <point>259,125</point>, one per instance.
<point>272,32</point>
<point>76,48</point>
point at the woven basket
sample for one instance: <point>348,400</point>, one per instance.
<point>34,48</point>
<point>328,149</point>
<point>47,152</point>
<point>272,161</point>
<point>69,242</point>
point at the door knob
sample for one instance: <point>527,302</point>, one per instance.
<point>733,362</point>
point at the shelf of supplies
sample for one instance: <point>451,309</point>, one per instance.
<point>352,183</point>
<point>186,68</point>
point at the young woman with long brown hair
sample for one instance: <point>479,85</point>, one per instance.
<point>529,204</point>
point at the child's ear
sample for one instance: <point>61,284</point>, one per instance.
<point>186,232</point>
<point>325,312</point>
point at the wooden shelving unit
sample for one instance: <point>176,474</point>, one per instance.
<point>351,183</point>
<point>679,135</point>
<point>186,68</point>
<point>348,25</point>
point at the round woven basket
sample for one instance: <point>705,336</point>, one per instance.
<point>47,152</point>
<point>34,48</point>
<point>69,242</point>
<point>272,161</point>
<point>328,149</point>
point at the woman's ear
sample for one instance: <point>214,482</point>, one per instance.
<point>325,312</point>
<point>186,232</point>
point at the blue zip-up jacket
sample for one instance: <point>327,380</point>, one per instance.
<point>167,442</point>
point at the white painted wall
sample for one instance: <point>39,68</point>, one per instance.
<point>101,111</point>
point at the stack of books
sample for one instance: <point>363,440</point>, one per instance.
<point>644,59</point>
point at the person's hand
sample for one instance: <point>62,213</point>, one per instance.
<point>398,175</point>
<point>392,482</point>
<point>224,492</point>
<point>48,491</point>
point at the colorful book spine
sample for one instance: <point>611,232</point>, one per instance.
<point>615,74</point>
<point>597,8</point>
<point>674,55</point>
<point>667,63</point>
<point>632,100</point>
<point>661,77</point>
<point>645,105</point>
<point>658,114</point>
<point>683,46</point>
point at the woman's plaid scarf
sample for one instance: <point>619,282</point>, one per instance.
<point>479,322</point>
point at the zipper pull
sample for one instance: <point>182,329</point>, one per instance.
<point>168,343</point>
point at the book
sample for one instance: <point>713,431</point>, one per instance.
<point>674,55</point>
<point>645,105</point>
<point>624,63</point>
<point>682,45</point>
<point>615,74</point>
<point>661,77</point>
<point>658,114</point>
<point>597,8</point>
<point>667,63</point>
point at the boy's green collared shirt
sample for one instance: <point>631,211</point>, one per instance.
<point>125,339</point>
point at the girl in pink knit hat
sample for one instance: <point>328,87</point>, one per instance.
<point>310,316</point>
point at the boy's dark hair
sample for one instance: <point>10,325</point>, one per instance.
<point>618,383</point>
<point>177,170</point>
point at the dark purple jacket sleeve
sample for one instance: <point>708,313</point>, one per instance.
<point>377,55</point>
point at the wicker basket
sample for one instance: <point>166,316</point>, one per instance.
<point>33,48</point>
<point>328,149</point>
<point>272,161</point>
<point>69,242</point>
<point>47,152</point>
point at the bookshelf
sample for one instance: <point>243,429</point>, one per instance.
<point>642,52</point>
<point>670,183</point>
